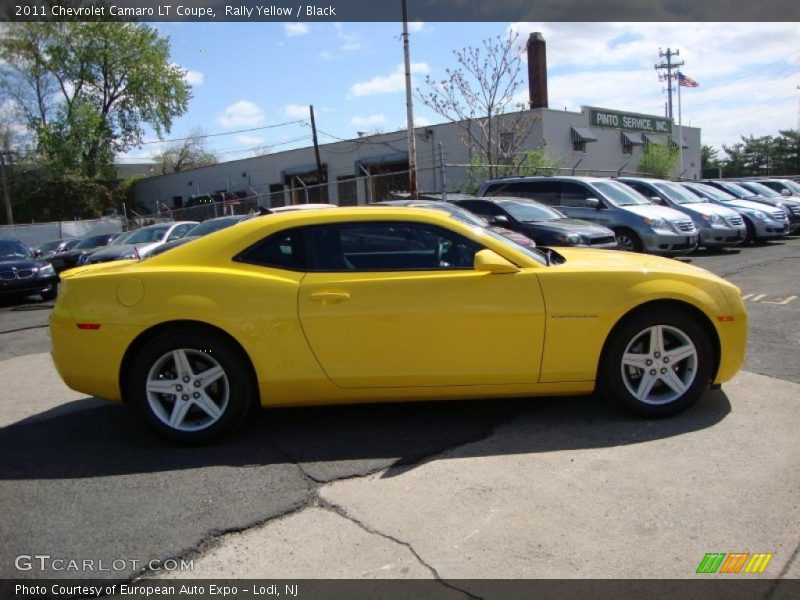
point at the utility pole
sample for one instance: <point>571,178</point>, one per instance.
<point>316,148</point>
<point>668,66</point>
<point>6,191</point>
<point>412,148</point>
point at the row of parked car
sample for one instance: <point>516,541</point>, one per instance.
<point>627,213</point>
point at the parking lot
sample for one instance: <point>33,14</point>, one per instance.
<point>531,488</point>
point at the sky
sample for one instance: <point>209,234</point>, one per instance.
<point>260,76</point>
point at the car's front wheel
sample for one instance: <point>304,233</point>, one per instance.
<point>628,240</point>
<point>191,386</point>
<point>657,363</point>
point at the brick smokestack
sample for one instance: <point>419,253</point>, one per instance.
<point>537,70</point>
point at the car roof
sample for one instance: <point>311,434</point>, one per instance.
<point>584,178</point>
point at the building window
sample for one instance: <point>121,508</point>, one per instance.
<point>627,149</point>
<point>579,146</point>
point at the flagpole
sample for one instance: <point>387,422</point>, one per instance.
<point>680,130</point>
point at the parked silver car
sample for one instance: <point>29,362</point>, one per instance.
<point>719,226</point>
<point>763,222</point>
<point>141,240</point>
<point>791,209</point>
<point>785,187</point>
<point>638,224</point>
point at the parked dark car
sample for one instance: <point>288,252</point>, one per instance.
<point>23,274</point>
<point>53,247</point>
<point>71,258</point>
<point>465,216</point>
<point>543,224</point>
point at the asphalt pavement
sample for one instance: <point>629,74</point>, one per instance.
<point>520,488</point>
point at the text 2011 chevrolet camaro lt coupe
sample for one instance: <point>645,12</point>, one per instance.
<point>377,304</point>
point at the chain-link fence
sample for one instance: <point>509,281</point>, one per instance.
<point>34,234</point>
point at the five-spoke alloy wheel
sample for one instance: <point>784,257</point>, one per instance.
<point>657,363</point>
<point>191,386</point>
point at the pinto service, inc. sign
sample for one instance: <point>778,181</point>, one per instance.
<point>629,121</point>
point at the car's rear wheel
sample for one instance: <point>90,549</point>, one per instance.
<point>191,386</point>
<point>657,363</point>
<point>628,240</point>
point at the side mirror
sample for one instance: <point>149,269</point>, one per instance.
<point>501,220</point>
<point>593,203</point>
<point>37,253</point>
<point>785,192</point>
<point>490,261</point>
<point>656,200</point>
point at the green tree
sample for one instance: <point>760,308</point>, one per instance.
<point>659,160</point>
<point>86,90</point>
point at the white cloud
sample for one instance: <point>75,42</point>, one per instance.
<point>371,120</point>
<point>296,111</point>
<point>294,29</point>
<point>385,84</point>
<point>349,43</point>
<point>416,26</point>
<point>746,72</point>
<point>248,140</point>
<point>194,77</point>
<point>241,113</point>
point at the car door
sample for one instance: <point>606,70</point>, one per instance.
<point>573,201</point>
<point>398,304</point>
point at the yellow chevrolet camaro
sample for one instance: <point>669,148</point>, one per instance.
<point>384,304</point>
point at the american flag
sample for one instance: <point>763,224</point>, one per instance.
<point>686,81</point>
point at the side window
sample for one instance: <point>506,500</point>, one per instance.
<point>644,190</point>
<point>389,246</point>
<point>282,250</point>
<point>573,195</point>
<point>541,191</point>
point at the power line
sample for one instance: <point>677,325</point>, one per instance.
<point>235,150</point>
<point>208,135</point>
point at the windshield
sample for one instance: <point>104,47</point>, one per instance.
<point>676,193</point>
<point>536,255</point>
<point>763,190</point>
<point>48,246</point>
<point>530,211</point>
<point>123,239</point>
<point>211,226</point>
<point>143,236</point>
<point>620,194</point>
<point>793,186</point>
<point>737,190</point>
<point>10,249</point>
<point>92,242</point>
<point>716,193</point>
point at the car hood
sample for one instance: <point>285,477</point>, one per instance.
<point>21,263</point>
<point>78,252</point>
<point>707,208</point>
<point>592,258</point>
<point>577,226</point>
<point>748,205</point>
<point>653,210</point>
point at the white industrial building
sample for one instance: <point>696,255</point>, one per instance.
<point>594,141</point>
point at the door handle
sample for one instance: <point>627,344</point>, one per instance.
<point>330,297</point>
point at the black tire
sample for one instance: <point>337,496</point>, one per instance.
<point>51,294</point>
<point>628,240</point>
<point>616,380</point>
<point>232,393</point>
